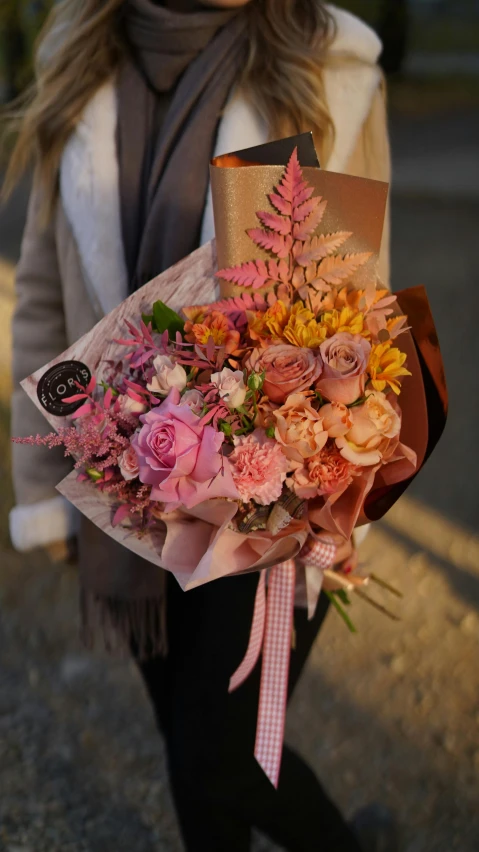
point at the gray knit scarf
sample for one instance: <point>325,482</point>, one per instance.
<point>171,92</point>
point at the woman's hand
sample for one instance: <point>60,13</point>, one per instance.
<point>346,553</point>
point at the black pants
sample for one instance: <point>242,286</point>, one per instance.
<point>220,792</point>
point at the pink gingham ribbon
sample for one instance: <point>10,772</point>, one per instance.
<point>271,631</point>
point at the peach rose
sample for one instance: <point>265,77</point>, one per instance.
<point>288,369</point>
<point>128,464</point>
<point>345,359</point>
<point>337,419</point>
<point>265,413</point>
<point>374,424</point>
<point>299,428</point>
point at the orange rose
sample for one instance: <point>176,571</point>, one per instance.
<point>375,423</point>
<point>299,428</point>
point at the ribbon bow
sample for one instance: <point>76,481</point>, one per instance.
<point>271,632</point>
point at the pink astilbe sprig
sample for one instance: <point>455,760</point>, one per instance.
<point>96,441</point>
<point>89,448</point>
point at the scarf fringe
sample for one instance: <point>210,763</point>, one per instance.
<point>125,627</point>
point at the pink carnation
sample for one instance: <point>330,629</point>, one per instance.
<point>259,467</point>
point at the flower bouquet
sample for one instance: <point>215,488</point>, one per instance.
<point>260,423</point>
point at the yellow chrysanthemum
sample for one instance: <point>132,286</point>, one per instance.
<point>276,318</point>
<point>308,335</point>
<point>257,326</point>
<point>347,319</point>
<point>386,366</point>
<point>302,328</point>
<point>270,323</point>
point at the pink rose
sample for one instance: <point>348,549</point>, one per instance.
<point>128,464</point>
<point>323,474</point>
<point>299,428</point>
<point>259,467</point>
<point>194,399</point>
<point>337,419</point>
<point>345,359</point>
<point>375,423</point>
<point>288,369</point>
<point>180,457</point>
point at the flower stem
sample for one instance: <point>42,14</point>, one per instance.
<point>334,600</point>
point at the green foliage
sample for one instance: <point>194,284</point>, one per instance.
<point>163,319</point>
<point>225,427</point>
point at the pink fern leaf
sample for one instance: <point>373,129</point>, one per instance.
<point>304,192</point>
<point>235,308</point>
<point>247,301</point>
<point>253,273</point>
<point>298,278</point>
<point>339,270</point>
<point>281,204</point>
<point>292,178</point>
<point>303,230</point>
<point>278,271</point>
<point>318,247</point>
<point>277,223</point>
<point>302,211</point>
<point>279,245</point>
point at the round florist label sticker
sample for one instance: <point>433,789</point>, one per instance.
<point>60,381</point>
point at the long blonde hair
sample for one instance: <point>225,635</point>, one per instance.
<point>82,44</point>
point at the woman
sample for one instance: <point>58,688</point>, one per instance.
<point>133,98</point>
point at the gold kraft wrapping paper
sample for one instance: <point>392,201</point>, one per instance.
<point>240,189</point>
<point>355,204</point>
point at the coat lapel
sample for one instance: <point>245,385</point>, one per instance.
<point>89,188</point>
<point>89,180</point>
